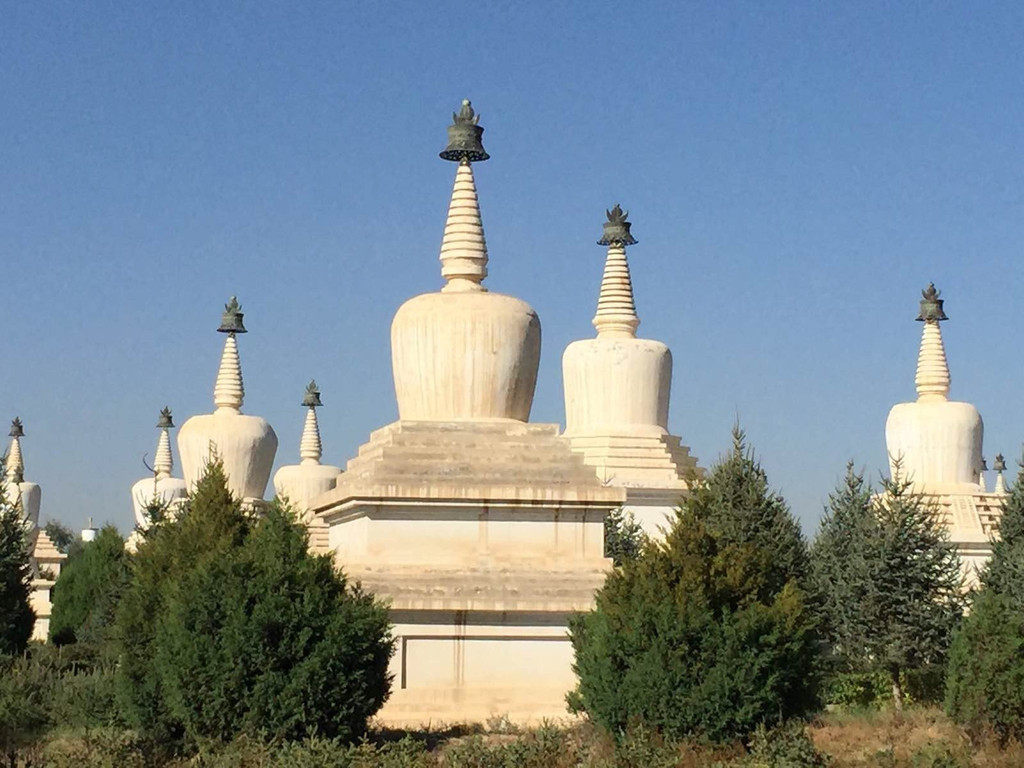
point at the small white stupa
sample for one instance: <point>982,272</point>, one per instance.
<point>617,396</point>
<point>18,492</point>
<point>936,444</point>
<point>301,483</point>
<point>45,558</point>
<point>245,444</point>
<point>160,490</point>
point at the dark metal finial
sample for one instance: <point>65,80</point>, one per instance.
<point>1000,464</point>
<point>984,464</point>
<point>931,305</point>
<point>465,137</point>
<point>312,397</point>
<point>17,430</point>
<point>616,229</point>
<point>231,320</point>
<point>165,419</point>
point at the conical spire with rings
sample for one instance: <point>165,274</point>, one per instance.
<point>616,310</point>
<point>15,468</point>
<point>229,391</point>
<point>163,462</point>
<point>932,379</point>
<point>310,448</point>
<point>464,247</point>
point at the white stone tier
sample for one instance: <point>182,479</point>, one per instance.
<point>46,564</point>
<point>484,537</point>
<point>465,355</point>
<point>246,444</point>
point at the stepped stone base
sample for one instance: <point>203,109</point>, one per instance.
<point>484,537</point>
<point>656,471</point>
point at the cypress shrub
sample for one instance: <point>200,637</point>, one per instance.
<point>711,633</point>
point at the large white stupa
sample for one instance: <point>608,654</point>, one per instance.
<point>246,444</point>
<point>617,390</point>
<point>484,532</point>
<point>160,490</point>
<point>936,444</point>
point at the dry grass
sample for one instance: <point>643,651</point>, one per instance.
<point>918,737</point>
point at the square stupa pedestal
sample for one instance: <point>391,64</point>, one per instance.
<point>484,537</point>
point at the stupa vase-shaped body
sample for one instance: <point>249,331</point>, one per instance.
<point>245,444</point>
<point>27,496</point>
<point>301,483</point>
<point>938,443</point>
<point>465,356</point>
<point>617,387</point>
<point>150,491</point>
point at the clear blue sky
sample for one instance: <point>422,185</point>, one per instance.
<point>796,172</point>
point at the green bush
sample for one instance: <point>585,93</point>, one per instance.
<point>86,593</point>
<point>242,631</point>
<point>710,634</point>
<point>787,746</point>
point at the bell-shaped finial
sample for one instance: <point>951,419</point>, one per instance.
<point>465,137</point>
<point>616,229</point>
<point>931,305</point>
<point>231,320</point>
<point>984,464</point>
<point>165,422</point>
<point>1000,463</point>
<point>312,397</point>
<point>17,430</point>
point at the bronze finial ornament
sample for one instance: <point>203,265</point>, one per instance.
<point>984,464</point>
<point>465,137</point>
<point>231,320</point>
<point>166,421</point>
<point>17,430</point>
<point>931,305</point>
<point>312,396</point>
<point>1000,463</point>
<point>616,229</point>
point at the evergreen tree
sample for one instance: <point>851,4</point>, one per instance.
<point>623,536</point>
<point>236,628</point>
<point>710,633</point>
<point>62,537</point>
<point>840,567</point>
<point>16,615</point>
<point>87,590</point>
<point>985,685</point>
<point>890,580</point>
<point>917,598</point>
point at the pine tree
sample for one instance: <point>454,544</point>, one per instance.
<point>710,633</point>
<point>890,581</point>
<point>985,684</point>
<point>16,614</point>
<point>88,589</point>
<point>917,598</point>
<point>840,568</point>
